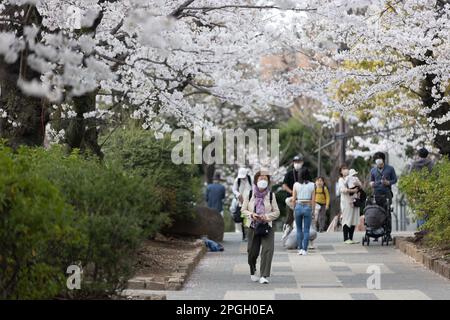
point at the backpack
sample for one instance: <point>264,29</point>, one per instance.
<point>237,213</point>
<point>248,179</point>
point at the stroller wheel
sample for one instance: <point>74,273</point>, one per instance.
<point>382,241</point>
<point>368,240</point>
<point>363,240</point>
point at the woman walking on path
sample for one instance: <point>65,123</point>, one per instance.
<point>260,206</point>
<point>303,198</point>
<point>350,213</point>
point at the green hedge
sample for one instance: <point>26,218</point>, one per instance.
<point>39,232</point>
<point>58,210</point>
<point>429,195</point>
<point>139,152</point>
<point>123,209</point>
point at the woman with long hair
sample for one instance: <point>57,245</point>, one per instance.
<point>303,198</point>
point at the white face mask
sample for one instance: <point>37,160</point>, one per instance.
<point>379,162</point>
<point>298,166</point>
<point>262,184</point>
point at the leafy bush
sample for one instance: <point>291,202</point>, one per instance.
<point>140,152</point>
<point>58,209</point>
<point>39,233</point>
<point>122,210</point>
<point>429,196</point>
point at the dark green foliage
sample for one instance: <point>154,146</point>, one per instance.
<point>429,195</point>
<point>141,153</point>
<point>40,234</point>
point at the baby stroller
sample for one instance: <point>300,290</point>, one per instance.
<point>376,220</point>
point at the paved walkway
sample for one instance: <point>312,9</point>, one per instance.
<point>333,271</point>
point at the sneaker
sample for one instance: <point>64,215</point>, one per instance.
<point>354,242</point>
<point>304,253</point>
<point>263,280</point>
<point>300,252</point>
<point>348,241</point>
<point>254,278</point>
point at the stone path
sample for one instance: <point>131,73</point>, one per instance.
<point>333,271</point>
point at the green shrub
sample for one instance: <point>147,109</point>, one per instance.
<point>139,152</point>
<point>429,195</point>
<point>39,233</point>
<point>122,210</point>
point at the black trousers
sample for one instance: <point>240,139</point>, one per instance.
<point>348,232</point>
<point>385,200</point>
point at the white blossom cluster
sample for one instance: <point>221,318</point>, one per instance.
<point>148,55</point>
<point>376,54</point>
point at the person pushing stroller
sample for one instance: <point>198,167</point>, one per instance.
<point>382,178</point>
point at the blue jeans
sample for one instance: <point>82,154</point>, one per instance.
<point>303,215</point>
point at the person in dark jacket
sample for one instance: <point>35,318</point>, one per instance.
<point>215,194</point>
<point>422,162</point>
<point>382,178</point>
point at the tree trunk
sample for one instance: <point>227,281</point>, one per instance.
<point>82,133</point>
<point>26,116</point>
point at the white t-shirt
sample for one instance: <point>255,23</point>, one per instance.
<point>304,191</point>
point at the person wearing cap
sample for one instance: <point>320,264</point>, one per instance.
<point>350,214</point>
<point>215,194</point>
<point>382,178</point>
<point>291,177</point>
<point>241,185</point>
<point>423,161</point>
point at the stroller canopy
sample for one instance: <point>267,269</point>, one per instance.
<point>374,216</point>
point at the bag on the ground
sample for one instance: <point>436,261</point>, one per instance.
<point>290,241</point>
<point>213,246</point>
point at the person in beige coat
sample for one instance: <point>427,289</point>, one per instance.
<point>260,206</point>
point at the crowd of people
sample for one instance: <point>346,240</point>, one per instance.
<point>254,206</point>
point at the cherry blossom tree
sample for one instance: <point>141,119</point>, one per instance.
<point>384,65</point>
<point>148,57</point>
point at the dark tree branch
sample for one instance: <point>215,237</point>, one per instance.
<point>177,13</point>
